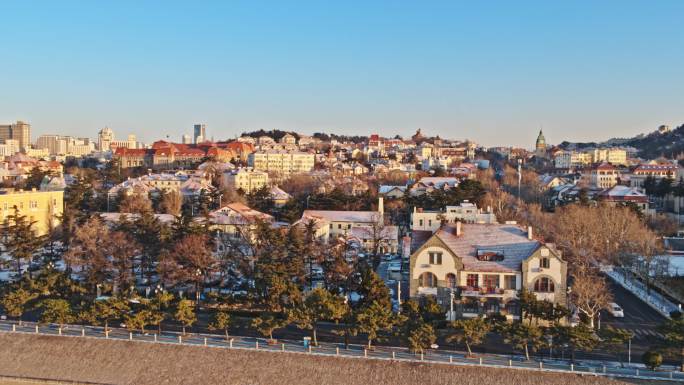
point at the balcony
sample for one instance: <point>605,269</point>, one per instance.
<point>487,292</point>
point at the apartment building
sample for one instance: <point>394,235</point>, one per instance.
<point>281,162</point>
<point>245,179</point>
<point>602,176</point>
<point>485,266</point>
<point>43,207</point>
<point>654,170</point>
<point>432,220</point>
<point>19,131</point>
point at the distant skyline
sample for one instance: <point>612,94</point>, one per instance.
<point>494,72</point>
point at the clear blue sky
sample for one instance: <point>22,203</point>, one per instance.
<point>489,71</point>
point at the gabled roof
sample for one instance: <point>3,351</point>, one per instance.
<point>237,214</point>
<point>509,240</point>
<point>343,216</point>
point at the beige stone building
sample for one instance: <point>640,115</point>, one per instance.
<point>245,179</point>
<point>281,162</point>
<point>43,207</point>
<point>602,176</point>
<point>485,266</point>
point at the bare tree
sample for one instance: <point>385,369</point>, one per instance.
<point>590,293</point>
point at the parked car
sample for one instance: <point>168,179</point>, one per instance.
<point>615,310</point>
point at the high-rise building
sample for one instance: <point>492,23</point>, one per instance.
<point>200,132</point>
<point>104,139</point>
<point>55,144</point>
<point>187,139</point>
<point>20,131</point>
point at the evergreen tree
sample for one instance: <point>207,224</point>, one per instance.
<point>374,318</point>
<point>185,313</point>
<point>319,305</point>
<point>102,312</point>
<point>19,239</point>
<point>673,330</point>
<point>471,331</point>
<point>221,320</point>
<point>15,302</point>
<point>526,337</point>
<point>57,311</point>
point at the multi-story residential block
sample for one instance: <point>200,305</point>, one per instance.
<point>42,207</point>
<point>482,267</point>
<point>10,147</point>
<point>19,131</point>
<point>571,159</point>
<point>654,170</point>
<point>281,162</point>
<point>245,179</point>
<point>429,220</point>
<point>602,176</point>
<point>615,156</point>
<point>188,186</point>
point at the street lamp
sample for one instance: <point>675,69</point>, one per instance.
<point>451,304</point>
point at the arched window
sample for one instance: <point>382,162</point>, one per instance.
<point>544,285</point>
<point>451,280</point>
<point>428,279</point>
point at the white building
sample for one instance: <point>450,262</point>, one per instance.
<point>281,162</point>
<point>465,212</point>
<point>245,179</point>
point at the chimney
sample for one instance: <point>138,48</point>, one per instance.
<point>381,206</point>
<point>529,232</point>
<point>458,228</point>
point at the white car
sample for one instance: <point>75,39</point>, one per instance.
<point>615,310</point>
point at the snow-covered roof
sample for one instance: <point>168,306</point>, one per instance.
<point>279,194</point>
<point>384,189</point>
<point>343,216</point>
<point>509,240</point>
<point>237,214</point>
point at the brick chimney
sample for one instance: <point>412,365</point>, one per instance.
<point>529,233</point>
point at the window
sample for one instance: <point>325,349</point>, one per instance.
<point>451,280</point>
<point>339,226</point>
<point>435,258</point>
<point>349,226</point>
<point>429,222</point>
<point>544,263</point>
<point>428,279</point>
<point>472,280</point>
<point>420,222</point>
<point>331,225</point>
<point>544,285</point>
<point>509,282</point>
<point>491,281</point>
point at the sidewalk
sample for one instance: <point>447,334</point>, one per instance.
<point>636,287</point>
<point>608,369</point>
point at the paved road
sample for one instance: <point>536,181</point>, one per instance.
<point>639,318</point>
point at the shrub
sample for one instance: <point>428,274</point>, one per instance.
<point>652,359</point>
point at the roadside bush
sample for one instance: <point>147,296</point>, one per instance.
<point>652,359</point>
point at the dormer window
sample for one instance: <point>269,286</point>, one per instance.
<point>490,255</point>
